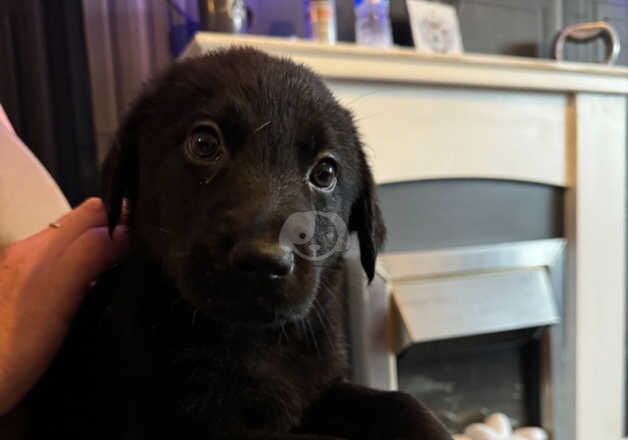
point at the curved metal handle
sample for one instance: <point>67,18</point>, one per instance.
<point>586,32</point>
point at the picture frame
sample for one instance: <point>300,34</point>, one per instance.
<point>435,27</point>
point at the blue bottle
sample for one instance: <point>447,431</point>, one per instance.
<point>372,23</point>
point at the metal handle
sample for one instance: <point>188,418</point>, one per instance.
<point>586,32</point>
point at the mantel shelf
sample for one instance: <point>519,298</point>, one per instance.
<point>403,65</point>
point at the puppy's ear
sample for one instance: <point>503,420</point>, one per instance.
<point>366,219</point>
<point>119,174</point>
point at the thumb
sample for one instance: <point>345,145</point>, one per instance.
<point>90,255</point>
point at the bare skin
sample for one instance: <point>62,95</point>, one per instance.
<point>42,281</point>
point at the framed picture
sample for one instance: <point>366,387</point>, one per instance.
<point>435,27</point>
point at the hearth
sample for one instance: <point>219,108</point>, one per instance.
<point>475,331</point>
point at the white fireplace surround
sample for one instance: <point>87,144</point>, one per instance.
<point>470,116</point>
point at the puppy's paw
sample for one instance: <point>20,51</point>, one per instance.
<point>405,418</point>
<point>357,412</point>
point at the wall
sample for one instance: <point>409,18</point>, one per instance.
<point>528,27</point>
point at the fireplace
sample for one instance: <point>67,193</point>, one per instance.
<point>558,125</point>
<point>472,333</point>
<point>464,380</point>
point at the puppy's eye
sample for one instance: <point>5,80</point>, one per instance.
<point>204,145</point>
<point>323,175</point>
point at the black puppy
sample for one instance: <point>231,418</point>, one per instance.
<point>241,172</point>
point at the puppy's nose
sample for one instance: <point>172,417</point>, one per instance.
<point>266,259</point>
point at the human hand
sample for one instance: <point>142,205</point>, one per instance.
<point>42,281</point>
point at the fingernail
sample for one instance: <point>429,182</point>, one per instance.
<point>125,211</point>
<point>121,230</point>
<point>94,204</point>
<point>121,236</point>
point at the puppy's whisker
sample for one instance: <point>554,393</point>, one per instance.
<point>311,331</point>
<point>283,332</point>
<point>283,329</point>
<point>348,103</point>
<point>302,329</point>
<point>324,327</point>
<point>327,288</point>
<point>178,255</point>
<point>263,126</point>
<point>366,117</point>
<point>162,230</point>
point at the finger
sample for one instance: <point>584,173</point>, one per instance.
<point>89,256</point>
<point>58,293</point>
<point>28,247</point>
<point>124,215</point>
<point>90,214</point>
<point>50,242</point>
<point>30,251</point>
<point>93,253</point>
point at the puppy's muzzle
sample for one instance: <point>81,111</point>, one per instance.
<point>263,259</point>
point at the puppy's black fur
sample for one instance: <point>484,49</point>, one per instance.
<point>215,327</point>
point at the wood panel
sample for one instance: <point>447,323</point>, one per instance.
<point>351,62</point>
<point>434,133</point>
<point>596,224</point>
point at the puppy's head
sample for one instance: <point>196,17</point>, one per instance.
<point>244,177</point>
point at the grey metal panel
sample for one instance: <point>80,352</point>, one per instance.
<point>440,294</point>
<point>462,212</point>
<point>497,257</point>
<point>470,305</point>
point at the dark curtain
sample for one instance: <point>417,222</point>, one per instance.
<point>44,88</point>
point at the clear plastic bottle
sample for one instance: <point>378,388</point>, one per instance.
<point>372,23</point>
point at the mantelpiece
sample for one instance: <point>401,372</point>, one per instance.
<point>451,101</point>
<point>561,124</point>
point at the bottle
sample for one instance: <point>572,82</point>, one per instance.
<point>323,20</point>
<point>372,23</point>
<point>228,16</point>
